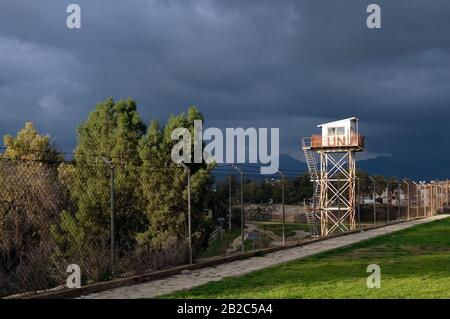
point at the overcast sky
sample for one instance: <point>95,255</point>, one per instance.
<point>290,64</point>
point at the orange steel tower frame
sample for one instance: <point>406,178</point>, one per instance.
<point>334,181</point>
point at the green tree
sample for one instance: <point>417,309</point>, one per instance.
<point>164,187</point>
<point>112,132</point>
<point>30,145</point>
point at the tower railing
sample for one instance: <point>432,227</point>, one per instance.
<point>354,140</point>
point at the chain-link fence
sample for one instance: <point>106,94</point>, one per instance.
<point>273,208</point>
<point>275,216</point>
<point>385,200</point>
<point>116,220</point>
<point>93,215</point>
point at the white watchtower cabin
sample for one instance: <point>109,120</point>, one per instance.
<point>334,181</point>
<point>338,134</point>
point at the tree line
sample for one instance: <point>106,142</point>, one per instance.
<point>54,212</point>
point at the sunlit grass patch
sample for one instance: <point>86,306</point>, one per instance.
<point>414,264</point>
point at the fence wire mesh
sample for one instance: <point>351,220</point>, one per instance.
<point>56,214</point>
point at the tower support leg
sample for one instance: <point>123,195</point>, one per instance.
<point>337,181</point>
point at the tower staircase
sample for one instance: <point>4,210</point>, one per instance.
<point>312,217</point>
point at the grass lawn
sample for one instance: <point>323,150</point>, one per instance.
<point>277,227</point>
<point>415,263</point>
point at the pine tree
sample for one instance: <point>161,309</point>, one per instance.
<point>30,145</point>
<point>164,187</point>
<point>112,132</point>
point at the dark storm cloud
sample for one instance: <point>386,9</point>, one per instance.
<point>288,64</point>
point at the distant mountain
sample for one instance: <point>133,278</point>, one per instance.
<point>287,165</point>
<point>382,165</point>
<point>414,168</point>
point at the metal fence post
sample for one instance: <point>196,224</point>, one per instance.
<point>113,226</point>
<point>374,199</point>
<point>189,217</point>
<point>409,197</point>
<point>438,198</point>
<point>242,211</point>
<point>112,217</point>
<point>446,196</point>
<point>431,199</point>
<point>242,205</point>
<point>359,201</point>
<point>229,203</point>
<point>433,194</point>
<point>387,199</point>
<point>398,197</point>
<point>418,200</point>
<point>399,202</point>
<point>188,170</point>
<point>283,208</point>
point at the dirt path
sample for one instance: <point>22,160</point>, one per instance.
<point>250,227</point>
<point>268,233</point>
<point>191,279</point>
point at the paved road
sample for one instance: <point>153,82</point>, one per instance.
<point>191,279</point>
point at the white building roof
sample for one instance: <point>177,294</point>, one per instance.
<point>337,122</point>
